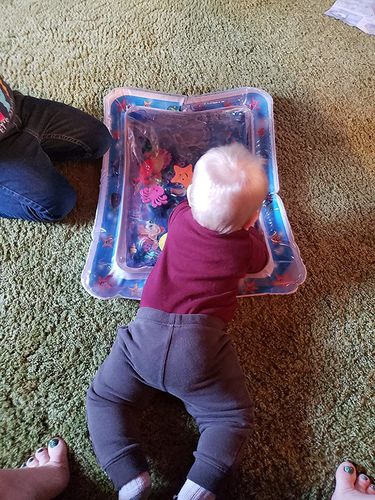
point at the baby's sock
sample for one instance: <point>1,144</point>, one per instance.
<point>138,488</point>
<point>192,491</point>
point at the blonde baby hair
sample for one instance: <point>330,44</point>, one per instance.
<point>228,187</point>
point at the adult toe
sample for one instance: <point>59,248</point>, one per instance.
<point>362,483</point>
<point>58,451</point>
<point>371,489</point>
<point>345,476</point>
<point>42,456</point>
<point>32,462</point>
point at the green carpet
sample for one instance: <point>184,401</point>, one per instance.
<point>308,357</point>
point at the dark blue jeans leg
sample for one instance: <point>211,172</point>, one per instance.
<point>64,133</point>
<point>30,186</point>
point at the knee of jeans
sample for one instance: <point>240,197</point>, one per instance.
<point>59,205</point>
<point>101,140</point>
<point>65,204</point>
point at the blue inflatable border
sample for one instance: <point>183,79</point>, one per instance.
<point>101,276</point>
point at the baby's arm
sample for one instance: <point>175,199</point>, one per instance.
<point>258,252</point>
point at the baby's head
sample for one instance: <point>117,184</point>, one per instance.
<point>229,185</point>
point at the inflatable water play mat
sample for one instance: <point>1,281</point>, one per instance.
<point>157,140</point>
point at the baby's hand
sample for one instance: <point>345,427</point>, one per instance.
<point>252,221</point>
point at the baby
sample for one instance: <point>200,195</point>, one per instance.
<point>177,342</point>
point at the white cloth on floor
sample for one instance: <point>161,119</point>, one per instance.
<point>359,13</point>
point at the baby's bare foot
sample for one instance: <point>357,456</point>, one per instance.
<point>351,487</point>
<point>42,477</point>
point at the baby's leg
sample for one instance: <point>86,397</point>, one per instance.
<point>114,401</point>
<point>214,392</point>
<point>224,416</point>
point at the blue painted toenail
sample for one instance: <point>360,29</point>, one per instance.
<point>363,477</point>
<point>31,459</point>
<point>53,442</point>
<point>348,469</point>
<point>23,465</point>
<point>372,486</point>
<point>40,450</point>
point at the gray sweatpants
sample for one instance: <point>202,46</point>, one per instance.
<point>189,356</point>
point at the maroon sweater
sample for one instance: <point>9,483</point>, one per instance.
<point>199,269</point>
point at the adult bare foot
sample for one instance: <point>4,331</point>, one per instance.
<point>42,477</point>
<point>349,486</point>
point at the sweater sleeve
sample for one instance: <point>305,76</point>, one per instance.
<point>6,107</point>
<point>259,252</point>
